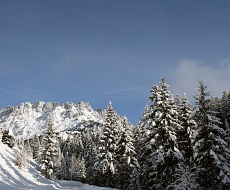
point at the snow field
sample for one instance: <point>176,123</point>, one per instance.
<point>12,178</point>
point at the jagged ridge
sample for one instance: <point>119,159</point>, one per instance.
<point>26,119</point>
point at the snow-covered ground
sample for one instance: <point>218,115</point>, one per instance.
<point>12,178</point>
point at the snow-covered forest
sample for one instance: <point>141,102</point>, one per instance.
<point>174,146</point>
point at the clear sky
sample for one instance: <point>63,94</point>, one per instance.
<point>102,50</point>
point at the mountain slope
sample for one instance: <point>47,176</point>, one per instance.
<point>12,178</point>
<point>26,119</point>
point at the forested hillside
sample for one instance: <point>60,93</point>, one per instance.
<point>174,145</point>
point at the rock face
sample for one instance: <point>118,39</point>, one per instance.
<point>26,119</point>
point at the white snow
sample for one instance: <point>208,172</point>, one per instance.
<point>26,119</point>
<point>11,177</point>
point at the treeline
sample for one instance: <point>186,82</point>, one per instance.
<point>174,146</point>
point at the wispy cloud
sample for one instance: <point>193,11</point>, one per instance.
<point>187,73</point>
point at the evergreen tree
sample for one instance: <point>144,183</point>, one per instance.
<point>50,152</point>
<point>8,139</point>
<point>68,167</point>
<point>73,167</point>
<point>126,157</point>
<point>211,152</point>
<point>184,176</point>
<point>91,154</point>
<point>106,159</point>
<point>134,183</point>
<point>81,170</point>
<point>159,154</point>
<point>177,102</point>
<point>1,133</point>
<point>225,107</point>
<point>142,125</point>
<point>225,115</point>
<point>186,134</point>
<point>64,170</point>
<point>36,148</point>
<point>140,137</point>
<point>22,155</point>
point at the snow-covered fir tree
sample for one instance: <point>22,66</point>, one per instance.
<point>106,159</point>
<point>140,128</point>
<point>22,154</point>
<point>212,154</point>
<point>184,178</point>
<point>7,138</point>
<point>73,167</point>
<point>1,132</point>
<point>81,170</point>
<point>63,171</point>
<point>36,148</point>
<point>128,167</point>
<point>159,156</point>
<point>185,135</point>
<point>225,114</point>
<point>225,107</point>
<point>184,175</point>
<point>91,152</point>
<point>50,152</point>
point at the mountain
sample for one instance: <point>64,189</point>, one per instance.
<point>11,177</point>
<point>26,119</point>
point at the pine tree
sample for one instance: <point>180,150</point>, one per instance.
<point>91,154</point>
<point>22,155</point>
<point>142,125</point>
<point>106,159</point>
<point>126,157</point>
<point>184,176</point>
<point>1,133</point>
<point>225,114</point>
<point>73,167</point>
<point>211,152</point>
<point>50,152</point>
<point>63,171</point>
<point>81,170</point>
<point>36,148</point>
<point>140,137</point>
<point>159,155</point>
<point>8,139</point>
<point>186,134</point>
<point>134,183</point>
<point>225,107</point>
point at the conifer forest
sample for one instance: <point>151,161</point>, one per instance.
<point>174,146</point>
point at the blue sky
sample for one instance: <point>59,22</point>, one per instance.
<point>111,50</point>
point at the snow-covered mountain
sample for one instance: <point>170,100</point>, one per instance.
<point>26,119</point>
<point>12,178</point>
